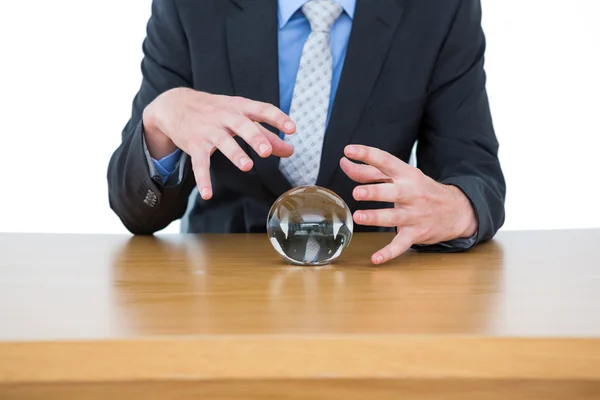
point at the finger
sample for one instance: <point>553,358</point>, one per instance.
<point>247,130</point>
<point>382,160</point>
<point>232,150</point>
<point>201,167</point>
<point>280,147</point>
<point>389,217</point>
<point>386,192</point>
<point>265,112</point>
<point>399,245</point>
<point>362,173</point>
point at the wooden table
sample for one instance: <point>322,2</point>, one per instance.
<point>96,317</point>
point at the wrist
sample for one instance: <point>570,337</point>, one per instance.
<point>159,145</point>
<point>466,225</point>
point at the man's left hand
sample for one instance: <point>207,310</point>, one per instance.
<point>424,212</point>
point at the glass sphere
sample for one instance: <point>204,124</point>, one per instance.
<point>310,225</point>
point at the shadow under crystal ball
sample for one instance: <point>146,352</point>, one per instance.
<point>310,225</point>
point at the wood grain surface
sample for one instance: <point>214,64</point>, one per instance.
<point>217,315</point>
<point>316,389</point>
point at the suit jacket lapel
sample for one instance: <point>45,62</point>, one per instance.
<point>253,58</point>
<point>373,28</point>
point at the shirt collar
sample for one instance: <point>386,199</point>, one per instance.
<point>287,8</point>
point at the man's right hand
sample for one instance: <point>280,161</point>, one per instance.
<point>199,123</point>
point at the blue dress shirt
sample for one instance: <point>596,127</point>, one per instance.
<point>294,30</point>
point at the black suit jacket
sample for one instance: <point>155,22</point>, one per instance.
<point>414,72</point>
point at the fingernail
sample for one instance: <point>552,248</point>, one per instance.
<point>244,161</point>
<point>361,193</point>
<point>263,148</point>
<point>205,192</point>
<point>289,126</point>
<point>350,150</point>
<point>379,259</point>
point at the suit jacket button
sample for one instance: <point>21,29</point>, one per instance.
<point>151,198</point>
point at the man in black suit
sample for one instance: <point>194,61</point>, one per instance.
<point>246,99</point>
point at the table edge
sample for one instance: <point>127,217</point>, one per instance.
<point>300,357</point>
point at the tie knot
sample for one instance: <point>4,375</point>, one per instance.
<point>321,14</point>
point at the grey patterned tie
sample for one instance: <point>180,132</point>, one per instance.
<point>310,102</point>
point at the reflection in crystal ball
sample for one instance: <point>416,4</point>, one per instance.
<point>310,225</point>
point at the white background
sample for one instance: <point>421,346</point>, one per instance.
<point>69,70</point>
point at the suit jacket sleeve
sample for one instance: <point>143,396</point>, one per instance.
<point>457,144</point>
<point>137,194</point>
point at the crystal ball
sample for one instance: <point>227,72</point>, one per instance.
<point>310,225</point>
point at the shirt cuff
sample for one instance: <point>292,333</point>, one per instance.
<point>166,166</point>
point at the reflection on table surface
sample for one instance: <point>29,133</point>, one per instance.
<point>102,286</point>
